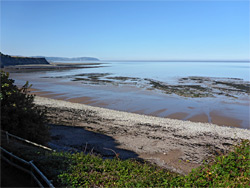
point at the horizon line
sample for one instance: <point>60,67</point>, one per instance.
<point>149,60</point>
<point>183,60</point>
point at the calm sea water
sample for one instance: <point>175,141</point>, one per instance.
<point>140,100</point>
<point>169,71</point>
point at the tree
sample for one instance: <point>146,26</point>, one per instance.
<point>19,115</point>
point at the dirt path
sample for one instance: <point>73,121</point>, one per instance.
<point>174,144</point>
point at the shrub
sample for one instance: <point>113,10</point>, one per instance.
<point>230,170</point>
<point>93,171</point>
<point>80,170</point>
<point>19,115</point>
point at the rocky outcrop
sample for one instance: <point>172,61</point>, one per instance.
<point>7,60</point>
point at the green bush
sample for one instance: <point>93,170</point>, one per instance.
<point>93,171</point>
<point>231,170</point>
<point>19,115</point>
<point>80,170</point>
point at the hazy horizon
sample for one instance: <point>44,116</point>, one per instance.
<point>149,60</point>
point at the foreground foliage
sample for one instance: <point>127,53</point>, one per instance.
<point>80,170</point>
<point>19,115</point>
<point>89,171</point>
<point>231,170</point>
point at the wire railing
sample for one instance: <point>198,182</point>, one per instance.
<point>26,166</point>
<point>8,135</point>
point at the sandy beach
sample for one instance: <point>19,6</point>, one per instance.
<point>164,82</point>
<point>139,118</point>
<point>174,144</point>
<point>215,117</point>
<point>217,100</point>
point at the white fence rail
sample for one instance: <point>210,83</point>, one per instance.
<point>8,135</point>
<point>24,165</point>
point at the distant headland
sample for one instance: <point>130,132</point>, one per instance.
<point>7,60</point>
<point>68,58</point>
<point>10,60</point>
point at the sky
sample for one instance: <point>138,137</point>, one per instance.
<point>127,30</point>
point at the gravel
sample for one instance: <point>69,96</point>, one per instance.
<point>129,119</point>
<point>166,142</point>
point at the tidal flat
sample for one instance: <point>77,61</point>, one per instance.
<point>195,87</point>
<point>222,100</point>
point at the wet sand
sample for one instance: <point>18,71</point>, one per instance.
<point>136,100</point>
<point>201,118</point>
<point>158,112</point>
<point>178,115</point>
<point>173,144</point>
<point>219,119</point>
<point>82,100</point>
<point>215,117</point>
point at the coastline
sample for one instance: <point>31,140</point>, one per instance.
<point>215,117</point>
<point>50,67</point>
<point>173,144</point>
<point>222,101</point>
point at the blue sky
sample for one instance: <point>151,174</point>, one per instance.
<point>127,30</point>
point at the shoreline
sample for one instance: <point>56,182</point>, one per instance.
<point>215,117</point>
<point>218,100</point>
<point>51,67</point>
<point>173,144</point>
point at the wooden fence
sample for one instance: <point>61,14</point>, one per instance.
<point>24,165</point>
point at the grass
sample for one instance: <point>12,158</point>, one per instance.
<point>80,170</point>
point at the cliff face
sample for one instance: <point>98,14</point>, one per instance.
<point>7,60</point>
<point>70,59</point>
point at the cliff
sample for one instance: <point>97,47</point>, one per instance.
<point>69,59</point>
<point>7,60</point>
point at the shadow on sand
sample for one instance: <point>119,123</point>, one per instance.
<point>77,139</point>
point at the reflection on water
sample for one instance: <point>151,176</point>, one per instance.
<point>169,71</point>
<point>126,86</point>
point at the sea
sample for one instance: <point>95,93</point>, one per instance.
<point>125,86</point>
<point>169,71</point>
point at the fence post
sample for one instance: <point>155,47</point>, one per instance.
<point>7,137</point>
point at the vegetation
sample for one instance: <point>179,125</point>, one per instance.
<point>19,115</point>
<point>231,170</point>
<point>80,170</point>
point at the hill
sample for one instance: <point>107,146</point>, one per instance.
<point>68,58</point>
<point>7,60</point>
